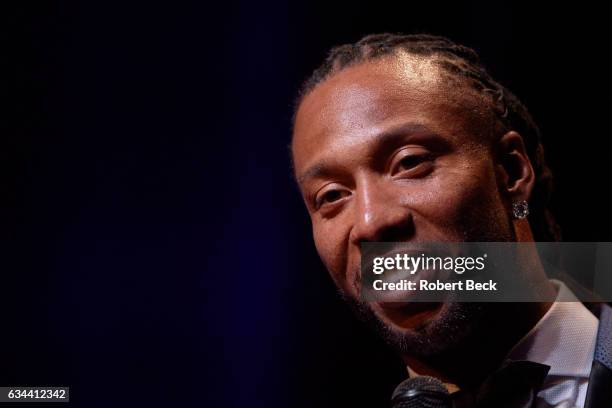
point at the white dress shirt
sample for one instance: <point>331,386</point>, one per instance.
<point>564,339</point>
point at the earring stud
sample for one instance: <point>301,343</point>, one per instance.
<point>520,209</point>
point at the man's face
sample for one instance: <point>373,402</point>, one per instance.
<point>387,150</point>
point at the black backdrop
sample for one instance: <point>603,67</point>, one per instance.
<point>155,251</point>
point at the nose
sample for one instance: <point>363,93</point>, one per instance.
<point>380,215</point>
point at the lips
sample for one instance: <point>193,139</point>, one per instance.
<point>412,296</point>
<point>371,251</point>
<point>404,308</point>
<point>371,254</point>
<point>396,276</point>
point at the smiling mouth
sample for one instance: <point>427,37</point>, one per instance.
<point>369,255</point>
<point>406,309</point>
<point>413,308</point>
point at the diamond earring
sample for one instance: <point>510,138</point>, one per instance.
<point>520,209</point>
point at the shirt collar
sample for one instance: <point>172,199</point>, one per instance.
<point>563,339</point>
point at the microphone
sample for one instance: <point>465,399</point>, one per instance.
<point>421,392</point>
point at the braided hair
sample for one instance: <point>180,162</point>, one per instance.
<point>463,64</point>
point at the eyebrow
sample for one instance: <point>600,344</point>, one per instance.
<point>391,136</point>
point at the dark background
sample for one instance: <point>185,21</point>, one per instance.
<point>155,251</point>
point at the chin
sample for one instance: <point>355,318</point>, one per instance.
<point>409,316</point>
<point>427,330</point>
<point>417,328</point>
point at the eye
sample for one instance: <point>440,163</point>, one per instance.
<point>411,161</point>
<point>330,196</point>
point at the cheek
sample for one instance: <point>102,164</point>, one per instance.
<point>330,243</point>
<point>460,201</point>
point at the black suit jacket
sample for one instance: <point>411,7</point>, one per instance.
<point>599,392</point>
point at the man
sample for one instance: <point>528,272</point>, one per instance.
<point>407,138</point>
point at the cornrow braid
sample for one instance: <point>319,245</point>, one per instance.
<point>464,64</point>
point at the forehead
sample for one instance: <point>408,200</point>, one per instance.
<point>354,105</point>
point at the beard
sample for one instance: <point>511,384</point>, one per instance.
<point>454,325</point>
<point>457,324</point>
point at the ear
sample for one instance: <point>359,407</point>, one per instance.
<point>516,177</point>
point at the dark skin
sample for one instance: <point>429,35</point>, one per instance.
<point>386,151</point>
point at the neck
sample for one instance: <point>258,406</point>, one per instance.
<point>468,363</point>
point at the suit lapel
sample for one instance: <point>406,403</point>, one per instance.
<point>599,392</point>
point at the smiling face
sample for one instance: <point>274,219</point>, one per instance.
<point>395,149</point>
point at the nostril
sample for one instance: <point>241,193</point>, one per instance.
<point>397,233</point>
<point>400,230</point>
